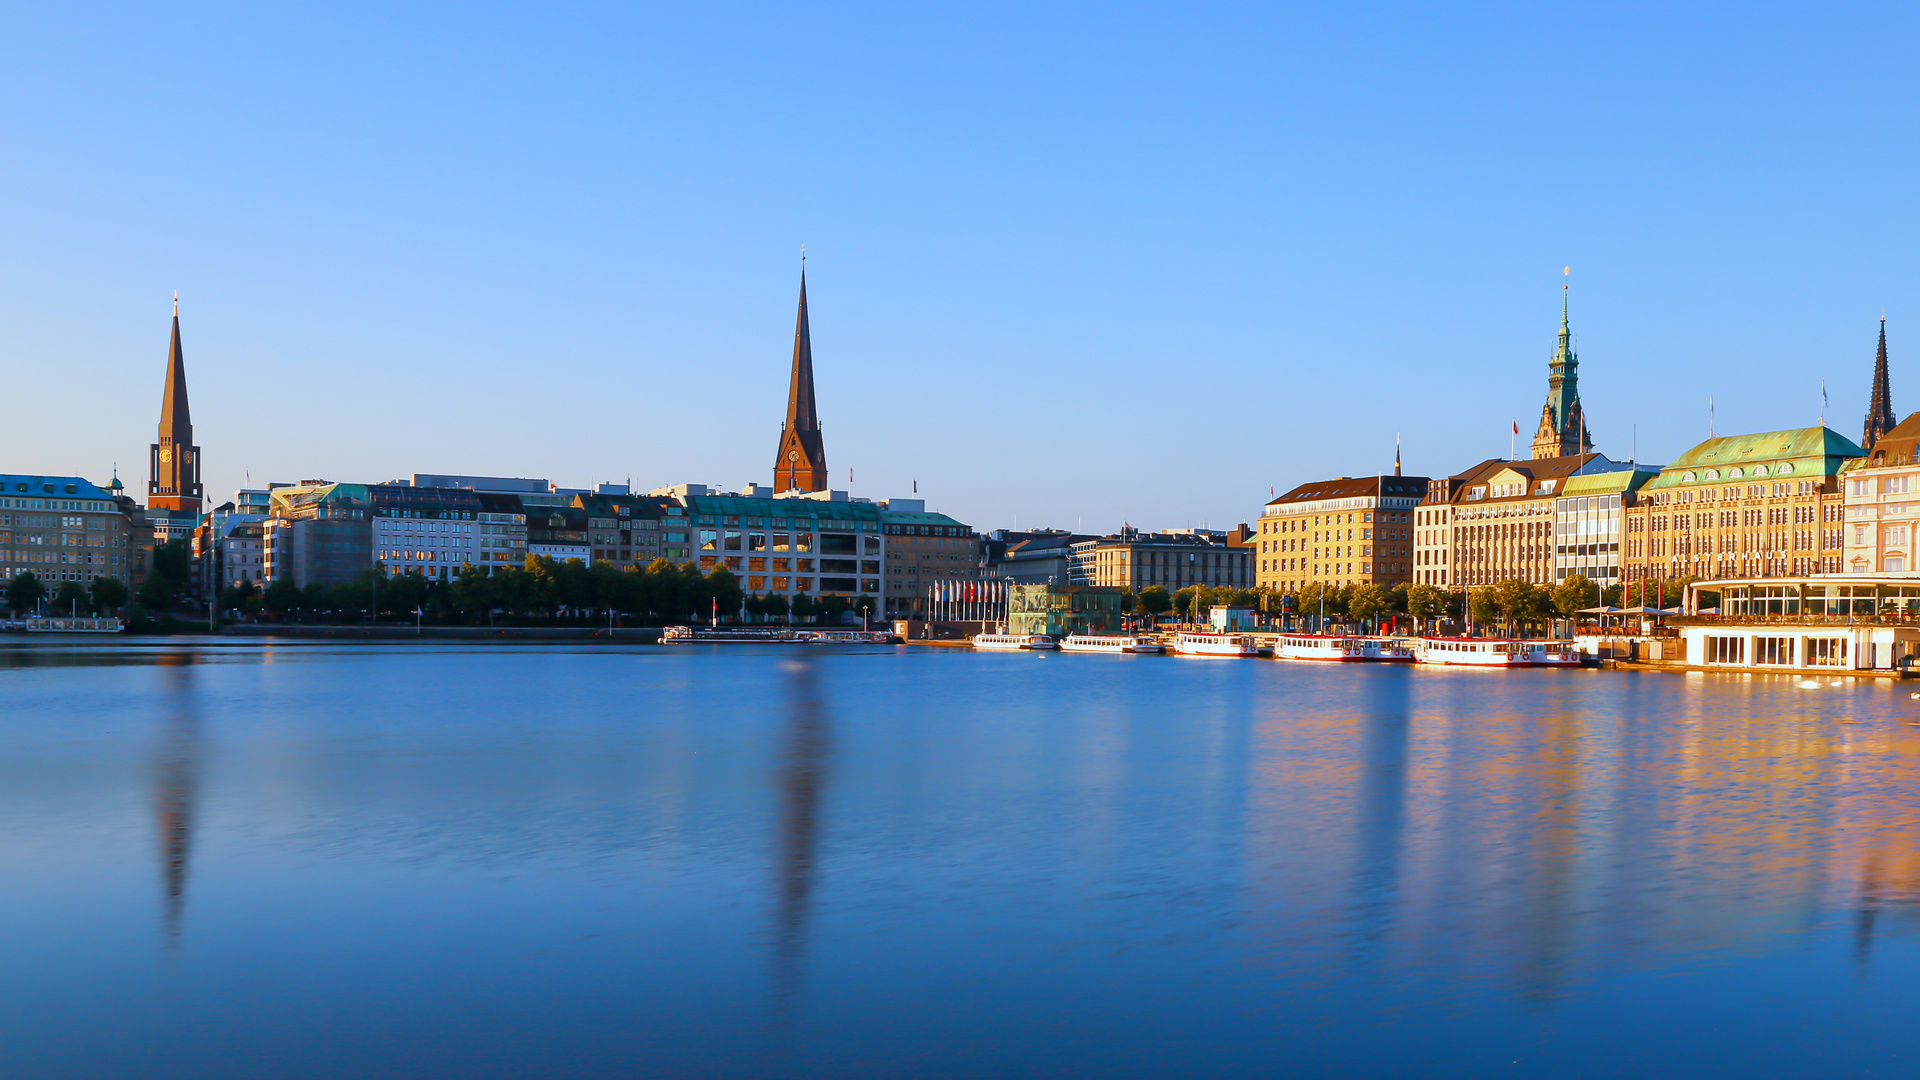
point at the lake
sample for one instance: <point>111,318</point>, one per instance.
<point>345,860</point>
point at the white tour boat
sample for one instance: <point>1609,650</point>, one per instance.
<point>731,635</point>
<point>1340,649</point>
<point>1013,642</point>
<point>850,637</point>
<point>1109,643</point>
<point>1496,653</point>
<point>1199,644</point>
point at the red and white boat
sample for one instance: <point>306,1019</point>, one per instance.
<point>1340,649</point>
<point>1200,644</point>
<point>1013,642</point>
<point>1496,653</point>
<point>1109,643</point>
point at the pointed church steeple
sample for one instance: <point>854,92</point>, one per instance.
<point>801,464</point>
<point>175,463</point>
<point>1880,409</point>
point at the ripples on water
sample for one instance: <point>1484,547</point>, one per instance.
<point>328,861</point>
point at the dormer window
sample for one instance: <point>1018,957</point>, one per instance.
<point>1713,474</point>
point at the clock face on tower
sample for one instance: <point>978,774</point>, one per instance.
<point>166,453</point>
<point>793,455</point>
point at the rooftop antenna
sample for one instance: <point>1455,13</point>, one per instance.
<point>1823,400</point>
<point>1709,416</point>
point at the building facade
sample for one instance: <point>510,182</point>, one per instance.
<point>822,546</point>
<point>1059,610</point>
<point>1343,531</point>
<point>559,533</point>
<point>61,528</point>
<point>1881,495</point>
<point>1135,560</point>
<point>431,531</point>
<point>1496,522</point>
<point>922,548</point>
<point>319,533</point>
<point>1589,519</point>
<point>1741,506</point>
<point>624,530</point>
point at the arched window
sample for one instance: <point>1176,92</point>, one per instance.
<point>1713,474</point>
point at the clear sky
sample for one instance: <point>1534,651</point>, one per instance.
<point>1069,265</point>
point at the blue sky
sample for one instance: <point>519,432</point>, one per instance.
<point>1069,265</point>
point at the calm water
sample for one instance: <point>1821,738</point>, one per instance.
<point>346,861</point>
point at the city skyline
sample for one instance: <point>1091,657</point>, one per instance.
<point>583,269</point>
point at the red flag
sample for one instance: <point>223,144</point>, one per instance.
<point>1516,427</point>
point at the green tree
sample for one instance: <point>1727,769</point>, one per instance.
<point>173,561</point>
<point>804,606</point>
<point>867,606</point>
<point>832,607</point>
<point>1519,601</point>
<point>1154,601</point>
<point>283,598</point>
<point>775,606</point>
<point>1427,602</point>
<point>157,593</point>
<point>68,598</point>
<point>723,592</point>
<point>1485,609</point>
<point>108,594</point>
<point>1367,602</point>
<point>403,593</point>
<point>24,591</point>
<point>1613,596</point>
<point>1575,593</point>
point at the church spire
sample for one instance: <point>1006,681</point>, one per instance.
<point>801,464</point>
<point>1880,410</point>
<point>175,462</point>
<point>175,417</point>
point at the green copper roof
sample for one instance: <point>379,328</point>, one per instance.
<point>736,506</point>
<point>1799,452</point>
<point>917,517</point>
<point>1607,483</point>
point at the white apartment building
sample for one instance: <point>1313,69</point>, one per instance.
<point>1882,492</point>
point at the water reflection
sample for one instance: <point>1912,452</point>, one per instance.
<point>803,773</point>
<point>176,776</point>
<point>1380,810</point>
<point>1038,867</point>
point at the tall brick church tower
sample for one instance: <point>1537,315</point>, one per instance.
<point>175,461</point>
<point>802,461</point>
<point>1880,418</point>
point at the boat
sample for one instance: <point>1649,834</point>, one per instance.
<point>733,635</point>
<point>849,637</point>
<point>1496,653</point>
<point>1110,643</point>
<point>1013,642</point>
<point>1340,649</point>
<point>1202,644</point>
<point>67,624</point>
